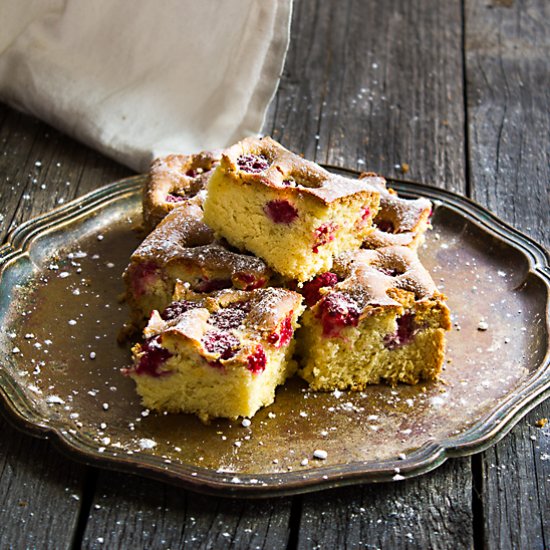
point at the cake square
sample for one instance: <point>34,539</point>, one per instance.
<point>400,221</point>
<point>174,180</point>
<point>221,355</point>
<point>183,248</point>
<point>376,317</point>
<point>286,210</point>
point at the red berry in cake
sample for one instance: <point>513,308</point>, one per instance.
<point>366,213</point>
<point>172,198</point>
<point>257,360</point>
<point>221,342</point>
<point>247,281</point>
<point>283,336</point>
<point>404,334</point>
<point>210,285</point>
<point>311,289</point>
<point>337,311</point>
<point>142,276</point>
<point>281,211</point>
<point>153,357</point>
<point>175,309</point>
<point>324,234</point>
<point>253,164</point>
<point>231,316</point>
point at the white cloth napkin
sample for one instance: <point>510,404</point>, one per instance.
<point>136,78</point>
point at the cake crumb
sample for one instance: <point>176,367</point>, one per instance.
<point>482,325</point>
<point>541,422</point>
<point>246,423</point>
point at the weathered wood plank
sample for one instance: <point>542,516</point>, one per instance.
<point>40,493</point>
<point>129,512</point>
<point>376,85</point>
<point>508,98</point>
<point>508,82</point>
<point>41,169</point>
<point>432,511</point>
<point>514,486</point>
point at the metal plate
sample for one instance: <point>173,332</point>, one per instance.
<point>60,364</point>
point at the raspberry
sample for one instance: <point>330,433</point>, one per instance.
<point>281,211</point>
<point>231,316</point>
<point>283,337</point>
<point>257,361</point>
<point>253,164</point>
<point>142,275</point>
<point>153,357</point>
<point>324,234</point>
<point>172,198</point>
<point>247,281</point>
<point>221,343</point>
<point>405,332</point>
<point>210,285</point>
<point>366,213</point>
<point>175,309</point>
<point>337,311</point>
<point>311,289</point>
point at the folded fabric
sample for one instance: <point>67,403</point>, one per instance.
<point>136,79</point>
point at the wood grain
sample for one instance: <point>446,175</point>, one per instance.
<point>40,493</point>
<point>508,83</point>
<point>374,85</point>
<point>40,169</point>
<point>130,512</point>
<point>428,512</point>
<point>508,93</point>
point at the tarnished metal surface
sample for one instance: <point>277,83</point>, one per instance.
<point>60,363</point>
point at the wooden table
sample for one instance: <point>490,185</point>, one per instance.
<point>452,93</point>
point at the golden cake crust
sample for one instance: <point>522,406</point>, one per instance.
<point>183,247</point>
<point>399,221</point>
<point>173,180</point>
<point>183,238</point>
<point>254,313</point>
<point>289,171</point>
<point>380,277</point>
